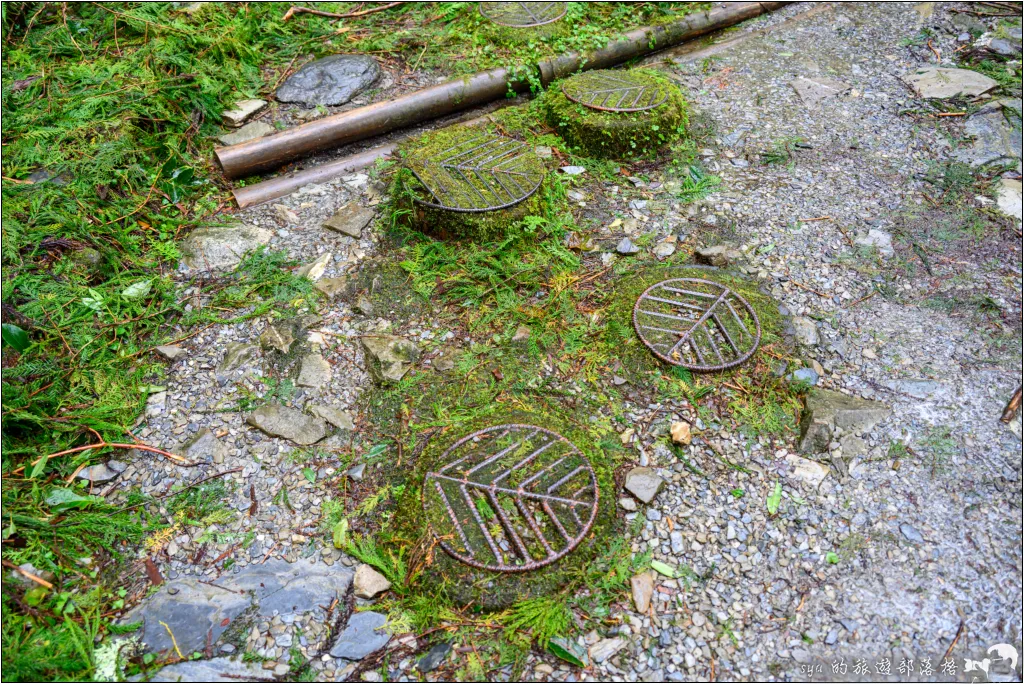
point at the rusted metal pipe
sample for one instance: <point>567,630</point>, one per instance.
<point>265,154</point>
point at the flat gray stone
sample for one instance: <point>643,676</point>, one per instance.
<point>717,255</point>
<point>807,471</point>
<point>279,336</point>
<point>350,219</point>
<point>368,583</point>
<point>389,358</point>
<point>805,330</point>
<point>911,533</point>
<point>626,247</point>
<point>825,410</point>
<point>204,447</point>
<point>330,81</point>
<point>805,375</point>
<point>215,670</point>
<point>284,588</point>
<point>289,423</point>
<point>643,483</point>
<point>170,352</point>
<point>335,416</point>
<point>243,111</point>
<point>331,287</point>
<point>813,91</point>
<point>606,648</point>
<point>250,131</point>
<point>191,610</point>
<point>314,270</point>
<point>314,371</point>
<point>235,355</point>
<point>942,83</point>
<point>363,635</point>
<point>220,248</point>
<point>1008,198</point>
<point>878,239</point>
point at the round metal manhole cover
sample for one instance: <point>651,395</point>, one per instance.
<point>614,91</point>
<point>697,324</point>
<point>522,14</point>
<point>482,172</point>
<point>511,498</point>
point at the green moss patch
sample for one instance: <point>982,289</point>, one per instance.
<point>619,135</point>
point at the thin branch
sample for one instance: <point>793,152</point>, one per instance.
<point>114,445</point>
<point>333,15</point>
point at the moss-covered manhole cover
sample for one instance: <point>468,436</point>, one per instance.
<point>697,324</point>
<point>614,91</point>
<point>477,173</point>
<point>523,14</point>
<point>511,498</point>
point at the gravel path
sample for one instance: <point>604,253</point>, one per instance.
<point>886,560</point>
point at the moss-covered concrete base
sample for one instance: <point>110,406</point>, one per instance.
<point>443,223</point>
<point>618,135</point>
<point>489,590</point>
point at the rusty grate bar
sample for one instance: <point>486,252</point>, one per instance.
<point>697,324</point>
<point>511,498</point>
<point>483,172</point>
<point>614,91</point>
<point>522,14</point>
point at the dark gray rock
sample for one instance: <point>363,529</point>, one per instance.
<point>996,132</point>
<point>191,610</point>
<point>281,421</point>
<point>102,472</point>
<point>204,447</point>
<point>330,81</point>
<point>216,670</point>
<point>434,657</point>
<point>363,635</point>
<point>280,587</point>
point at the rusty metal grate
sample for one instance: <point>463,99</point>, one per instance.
<point>697,324</point>
<point>614,91</point>
<point>523,14</point>
<point>483,172</point>
<point>511,498</point>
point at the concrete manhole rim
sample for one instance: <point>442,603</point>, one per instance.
<point>530,18</point>
<point>479,166</point>
<point>432,483</point>
<point>723,296</point>
<point>607,84</point>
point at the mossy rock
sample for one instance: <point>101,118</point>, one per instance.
<point>493,590</point>
<point>414,201</point>
<point>616,134</point>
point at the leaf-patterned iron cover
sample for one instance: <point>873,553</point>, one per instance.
<point>697,324</point>
<point>511,498</point>
<point>614,91</point>
<point>483,172</point>
<point>522,14</point>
